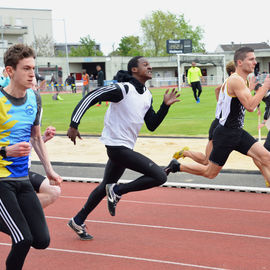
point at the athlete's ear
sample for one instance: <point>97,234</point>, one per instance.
<point>239,62</point>
<point>134,70</point>
<point>9,70</point>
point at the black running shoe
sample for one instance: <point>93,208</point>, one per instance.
<point>173,167</point>
<point>112,198</point>
<point>80,230</point>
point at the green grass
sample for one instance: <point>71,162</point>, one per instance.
<point>184,118</point>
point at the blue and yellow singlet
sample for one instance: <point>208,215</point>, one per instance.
<point>17,116</point>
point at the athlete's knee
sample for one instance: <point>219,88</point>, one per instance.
<point>162,178</point>
<point>211,174</point>
<point>54,192</point>
<point>42,243</point>
<point>264,158</point>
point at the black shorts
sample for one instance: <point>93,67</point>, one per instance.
<point>267,141</point>
<point>225,140</point>
<point>36,180</point>
<point>212,128</point>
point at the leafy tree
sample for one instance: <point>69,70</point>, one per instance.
<point>87,47</point>
<point>162,26</point>
<point>44,46</point>
<point>129,46</point>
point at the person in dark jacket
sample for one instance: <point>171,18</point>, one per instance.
<point>130,106</point>
<point>100,80</point>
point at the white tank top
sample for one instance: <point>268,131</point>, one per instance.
<point>233,112</point>
<point>220,100</point>
<point>124,119</point>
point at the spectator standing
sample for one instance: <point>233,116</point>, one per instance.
<point>194,75</point>
<point>85,78</point>
<point>73,85</point>
<point>100,80</point>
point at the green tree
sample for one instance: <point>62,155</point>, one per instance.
<point>87,47</point>
<point>129,46</point>
<point>162,26</point>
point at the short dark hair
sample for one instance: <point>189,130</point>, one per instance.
<point>241,53</point>
<point>133,62</point>
<point>17,52</point>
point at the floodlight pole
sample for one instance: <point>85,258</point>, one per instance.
<point>67,60</point>
<point>179,70</point>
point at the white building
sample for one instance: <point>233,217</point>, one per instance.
<point>22,25</point>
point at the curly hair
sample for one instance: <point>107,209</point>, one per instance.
<point>230,67</point>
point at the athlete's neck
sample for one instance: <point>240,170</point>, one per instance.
<point>15,90</point>
<point>140,79</point>
<point>242,73</point>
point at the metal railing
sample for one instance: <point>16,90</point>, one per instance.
<point>173,81</point>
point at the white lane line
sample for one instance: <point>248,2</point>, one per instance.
<point>181,205</point>
<point>129,258</point>
<point>178,185</point>
<point>168,228</point>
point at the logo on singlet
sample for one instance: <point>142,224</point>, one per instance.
<point>29,110</point>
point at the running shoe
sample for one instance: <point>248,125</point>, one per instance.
<point>112,198</point>
<point>173,167</point>
<point>80,230</point>
<point>180,154</point>
<point>198,100</point>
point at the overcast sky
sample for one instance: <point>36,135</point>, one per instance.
<point>238,21</point>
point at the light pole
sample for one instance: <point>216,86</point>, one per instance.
<point>66,46</point>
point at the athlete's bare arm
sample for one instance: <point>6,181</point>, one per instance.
<point>217,90</point>
<point>237,87</point>
<point>39,146</point>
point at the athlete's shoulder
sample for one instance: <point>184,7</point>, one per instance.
<point>35,94</point>
<point>123,86</point>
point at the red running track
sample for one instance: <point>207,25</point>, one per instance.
<point>161,228</point>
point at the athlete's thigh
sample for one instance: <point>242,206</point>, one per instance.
<point>259,152</point>
<point>199,87</point>
<point>267,141</point>
<point>113,172</point>
<point>33,212</point>
<point>36,180</point>
<point>223,145</point>
<point>137,162</point>
<point>213,169</point>
<point>245,143</point>
<point>208,149</point>
<point>11,213</point>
